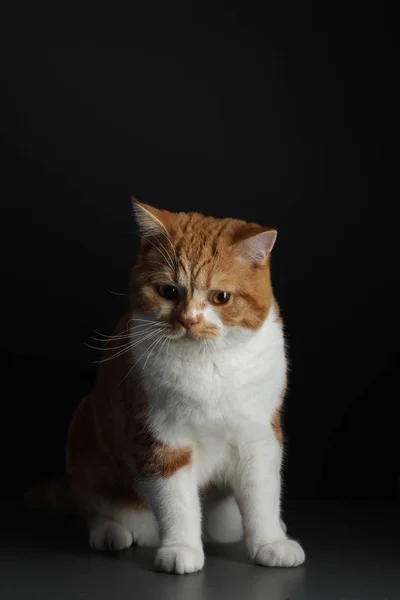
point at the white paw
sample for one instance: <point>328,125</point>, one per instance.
<point>179,559</point>
<point>110,536</point>
<point>282,553</point>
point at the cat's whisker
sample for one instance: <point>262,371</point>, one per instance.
<point>115,355</point>
<point>117,293</point>
<point>110,339</point>
<point>138,333</point>
<point>128,334</point>
<point>143,320</point>
<point>156,262</point>
<point>165,256</point>
<point>167,259</point>
<point>162,345</point>
<point>101,349</point>
<point>121,338</point>
<point>155,275</point>
<point>154,347</point>
<point>117,335</point>
<point>129,337</point>
<point>167,237</point>
<point>166,253</point>
<point>112,357</point>
<point>127,348</point>
<point>139,342</point>
<point>135,363</point>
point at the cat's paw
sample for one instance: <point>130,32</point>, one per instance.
<point>282,553</point>
<point>179,559</point>
<point>109,535</point>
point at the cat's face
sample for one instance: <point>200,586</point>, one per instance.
<point>201,278</point>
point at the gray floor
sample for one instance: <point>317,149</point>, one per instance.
<point>352,551</point>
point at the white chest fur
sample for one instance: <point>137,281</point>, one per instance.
<point>220,393</point>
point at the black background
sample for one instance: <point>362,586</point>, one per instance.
<point>287,120</point>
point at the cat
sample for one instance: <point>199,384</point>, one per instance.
<point>180,440</point>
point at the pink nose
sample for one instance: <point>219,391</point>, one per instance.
<point>188,322</point>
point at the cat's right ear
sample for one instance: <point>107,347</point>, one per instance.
<point>151,221</point>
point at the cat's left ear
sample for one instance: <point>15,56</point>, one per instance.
<point>151,221</point>
<point>255,247</point>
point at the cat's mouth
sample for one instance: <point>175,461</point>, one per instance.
<point>183,334</point>
<point>198,333</point>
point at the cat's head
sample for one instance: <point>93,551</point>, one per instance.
<point>201,278</point>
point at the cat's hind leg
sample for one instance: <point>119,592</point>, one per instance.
<point>223,521</point>
<point>116,527</point>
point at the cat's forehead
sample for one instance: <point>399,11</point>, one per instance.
<point>202,252</point>
<point>196,272</point>
<point>198,252</point>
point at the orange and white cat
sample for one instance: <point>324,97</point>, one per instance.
<point>180,438</point>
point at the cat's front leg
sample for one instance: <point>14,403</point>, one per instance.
<point>175,502</point>
<point>257,487</point>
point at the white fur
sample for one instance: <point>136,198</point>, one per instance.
<point>140,526</point>
<point>195,312</point>
<point>223,521</point>
<point>218,399</point>
<point>109,535</point>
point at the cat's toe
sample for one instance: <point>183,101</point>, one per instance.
<point>110,536</point>
<point>179,559</point>
<point>282,553</point>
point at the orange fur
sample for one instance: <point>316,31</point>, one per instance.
<point>53,497</point>
<point>276,421</point>
<point>276,425</point>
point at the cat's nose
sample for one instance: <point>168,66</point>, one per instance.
<point>188,322</point>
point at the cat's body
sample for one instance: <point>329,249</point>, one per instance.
<point>183,424</point>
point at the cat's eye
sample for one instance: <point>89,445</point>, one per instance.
<point>169,292</point>
<point>218,297</point>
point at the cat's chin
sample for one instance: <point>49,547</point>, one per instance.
<point>189,336</point>
<point>185,336</point>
